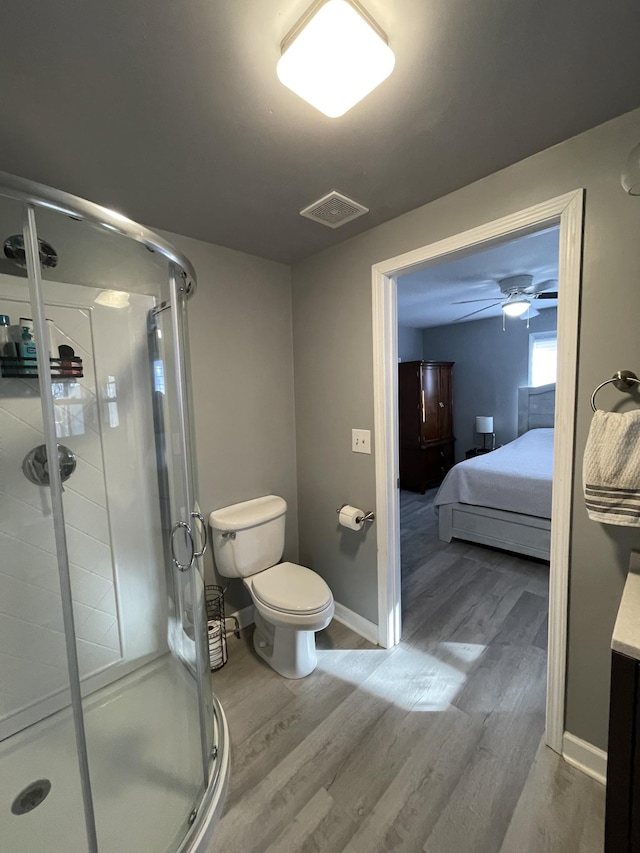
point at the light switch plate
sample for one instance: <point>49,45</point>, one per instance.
<point>361,440</point>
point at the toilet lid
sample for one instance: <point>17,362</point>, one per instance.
<point>292,588</point>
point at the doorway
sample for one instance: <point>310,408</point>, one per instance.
<point>567,213</point>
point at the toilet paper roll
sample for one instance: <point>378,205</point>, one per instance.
<point>351,517</point>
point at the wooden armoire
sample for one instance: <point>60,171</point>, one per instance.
<point>426,423</point>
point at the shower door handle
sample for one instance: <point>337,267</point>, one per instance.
<point>182,525</point>
<point>200,518</point>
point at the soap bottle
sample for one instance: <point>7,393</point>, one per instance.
<point>7,346</point>
<point>27,345</point>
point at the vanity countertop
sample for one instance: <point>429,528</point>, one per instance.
<point>626,633</point>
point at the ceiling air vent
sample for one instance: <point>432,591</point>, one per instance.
<point>334,209</point>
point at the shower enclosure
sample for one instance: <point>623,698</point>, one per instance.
<point>110,739</point>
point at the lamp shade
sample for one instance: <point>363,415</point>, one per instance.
<point>335,58</point>
<point>484,424</point>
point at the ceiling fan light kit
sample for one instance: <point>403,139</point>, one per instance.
<point>334,56</point>
<point>516,307</point>
<point>518,295</point>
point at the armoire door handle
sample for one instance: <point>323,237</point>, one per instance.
<point>424,414</point>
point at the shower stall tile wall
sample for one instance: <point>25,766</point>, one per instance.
<point>114,624</point>
<point>33,652</point>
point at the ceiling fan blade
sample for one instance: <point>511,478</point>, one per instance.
<point>549,294</point>
<point>467,301</point>
<point>477,312</point>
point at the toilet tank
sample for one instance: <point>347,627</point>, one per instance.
<point>248,537</point>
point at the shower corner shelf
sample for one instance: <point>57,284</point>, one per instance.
<point>27,368</point>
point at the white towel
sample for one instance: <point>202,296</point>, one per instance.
<point>611,468</point>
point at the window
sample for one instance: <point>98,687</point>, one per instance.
<point>543,358</point>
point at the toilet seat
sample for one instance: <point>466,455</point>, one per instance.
<point>290,588</point>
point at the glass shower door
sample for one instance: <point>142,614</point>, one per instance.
<point>40,780</point>
<point>179,291</point>
<point>188,534</point>
<point>125,508</point>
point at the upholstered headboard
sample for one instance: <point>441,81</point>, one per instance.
<point>536,407</point>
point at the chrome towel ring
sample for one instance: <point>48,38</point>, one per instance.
<point>624,380</point>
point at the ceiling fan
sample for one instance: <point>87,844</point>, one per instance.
<point>518,294</point>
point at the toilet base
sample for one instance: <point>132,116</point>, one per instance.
<point>288,651</point>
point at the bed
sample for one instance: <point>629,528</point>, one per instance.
<point>503,498</point>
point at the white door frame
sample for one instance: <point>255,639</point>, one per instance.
<point>567,211</point>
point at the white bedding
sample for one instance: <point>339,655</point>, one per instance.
<point>516,477</point>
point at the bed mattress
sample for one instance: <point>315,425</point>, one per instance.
<point>516,477</point>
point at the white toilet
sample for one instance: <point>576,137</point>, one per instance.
<point>291,602</point>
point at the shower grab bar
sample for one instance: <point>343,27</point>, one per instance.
<point>200,518</point>
<point>184,567</point>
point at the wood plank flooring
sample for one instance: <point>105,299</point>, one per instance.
<point>433,746</point>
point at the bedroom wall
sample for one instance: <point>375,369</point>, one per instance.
<point>409,344</point>
<point>490,366</point>
<point>242,379</point>
<point>332,328</point>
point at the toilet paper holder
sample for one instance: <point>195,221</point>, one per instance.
<point>367,516</point>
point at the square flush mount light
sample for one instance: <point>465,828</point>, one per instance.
<point>334,56</point>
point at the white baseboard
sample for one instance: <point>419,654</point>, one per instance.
<point>357,623</point>
<point>585,757</point>
<point>245,616</point>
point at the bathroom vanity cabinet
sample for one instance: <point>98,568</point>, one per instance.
<point>426,423</point>
<point>622,820</point>
<point>622,832</point>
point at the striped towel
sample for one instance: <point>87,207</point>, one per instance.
<point>611,468</point>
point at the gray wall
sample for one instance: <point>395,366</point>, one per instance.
<point>333,378</point>
<point>334,381</point>
<point>409,344</point>
<point>242,373</point>
<point>490,366</point>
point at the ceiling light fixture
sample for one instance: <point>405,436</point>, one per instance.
<point>516,307</point>
<point>334,56</point>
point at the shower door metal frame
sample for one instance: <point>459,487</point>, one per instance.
<point>30,236</point>
<point>177,295</point>
<point>41,196</point>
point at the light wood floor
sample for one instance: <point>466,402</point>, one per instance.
<point>434,745</point>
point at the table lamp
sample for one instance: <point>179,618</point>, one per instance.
<point>484,426</point>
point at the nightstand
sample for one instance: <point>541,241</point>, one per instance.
<point>477,451</point>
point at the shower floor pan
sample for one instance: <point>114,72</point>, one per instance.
<point>143,740</point>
